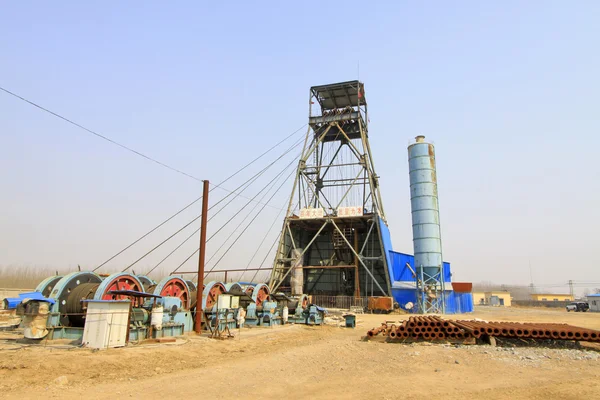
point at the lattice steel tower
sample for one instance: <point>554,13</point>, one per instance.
<point>331,239</point>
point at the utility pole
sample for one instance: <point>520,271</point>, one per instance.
<point>571,290</point>
<point>532,288</point>
<point>201,258</point>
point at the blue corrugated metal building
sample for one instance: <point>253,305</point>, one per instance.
<point>404,283</point>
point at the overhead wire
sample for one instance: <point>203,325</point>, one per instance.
<point>248,225</point>
<point>277,218</point>
<point>154,160</point>
<point>147,234</point>
<point>231,193</point>
<point>149,158</point>
<point>265,258</point>
<point>114,142</point>
<point>266,192</point>
<point>236,228</point>
<point>246,184</point>
<point>173,251</point>
<point>102,136</point>
<point>222,227</point>
<point>260,268</point>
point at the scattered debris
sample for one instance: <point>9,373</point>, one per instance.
<point>61,381</point>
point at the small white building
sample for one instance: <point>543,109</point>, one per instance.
<point>594,302</point>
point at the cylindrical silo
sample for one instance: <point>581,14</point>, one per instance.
<point>425,210</point>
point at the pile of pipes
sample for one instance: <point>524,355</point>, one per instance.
<point>434,328</point>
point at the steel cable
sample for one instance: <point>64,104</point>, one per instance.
<point>246,184</point>
<point>224,225</point>
<point>231,193</point>
<point>277,217</point>
<point>114,142</point>
<point>279,175</point>
<point>249,223</point>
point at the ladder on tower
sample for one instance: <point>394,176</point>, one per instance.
<point>338,240</point>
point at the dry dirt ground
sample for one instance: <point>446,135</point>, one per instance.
<point>296,361</point>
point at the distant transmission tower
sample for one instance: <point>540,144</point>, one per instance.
<point>334,234</point>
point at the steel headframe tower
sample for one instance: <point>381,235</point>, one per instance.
<point>331,241</point>
<point>427,239</point>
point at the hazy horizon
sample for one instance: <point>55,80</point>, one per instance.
<point>508,92</point>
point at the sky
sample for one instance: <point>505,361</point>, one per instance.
<point>508,92</point>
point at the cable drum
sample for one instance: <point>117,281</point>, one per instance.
<point>46,286</point>
<point>63,290</point>
<point>193,299</point>
<point>74,308</point>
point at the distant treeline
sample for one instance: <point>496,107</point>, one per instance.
<point>28,277</point>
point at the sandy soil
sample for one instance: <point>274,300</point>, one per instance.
<point>296,361</point>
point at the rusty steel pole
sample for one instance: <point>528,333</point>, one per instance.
<point>201,258</point>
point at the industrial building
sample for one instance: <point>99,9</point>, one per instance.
<point>551,297</point>
<point>494,298</point>
<point>594,302</point>
<point>335,238</point>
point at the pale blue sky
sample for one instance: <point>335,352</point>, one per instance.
<point>508,91</point>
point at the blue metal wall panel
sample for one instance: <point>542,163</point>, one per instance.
<point>403,296</point>
<point>466,302</point>
<point>399,268</point>
<point>456,303</point>
<point>386,241</point>
<point>459,303</point>
<point>451,303</point>
<point>400,271</point>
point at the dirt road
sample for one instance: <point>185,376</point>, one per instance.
<point>308,362</point>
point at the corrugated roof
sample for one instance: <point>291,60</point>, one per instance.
<point>340,95</point>
<point>462,287</point>
<point>551,294</point>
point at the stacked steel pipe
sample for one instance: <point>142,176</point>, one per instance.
<point>436,328</point>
